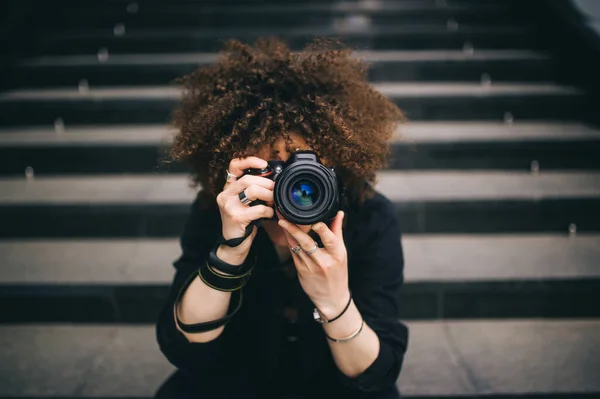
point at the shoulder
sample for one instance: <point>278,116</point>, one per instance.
<point>373,212</point>
<point>375,216</point>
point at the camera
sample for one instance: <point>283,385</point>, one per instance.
<point>305,190</point>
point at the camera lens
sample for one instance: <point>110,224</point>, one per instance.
<point>306,191</point>
<point>304,194</point>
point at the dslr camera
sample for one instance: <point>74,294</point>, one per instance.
<point>305,190</point>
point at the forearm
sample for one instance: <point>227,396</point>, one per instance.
<point>355,356</point>
<point>201,303</point>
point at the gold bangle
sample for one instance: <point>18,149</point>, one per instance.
<point>217,288</point>
<point>351,336</point>
<point>227,276</point>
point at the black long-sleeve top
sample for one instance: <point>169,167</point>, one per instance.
<point>261,351</point>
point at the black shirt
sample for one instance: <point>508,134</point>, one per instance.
<point>261,350</point>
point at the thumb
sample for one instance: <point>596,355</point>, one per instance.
<point>336,225</point>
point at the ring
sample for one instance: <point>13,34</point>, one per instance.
<point>230,176</point>
<point>296,249</point>
<point>245,200</point>
<point>312,250</point>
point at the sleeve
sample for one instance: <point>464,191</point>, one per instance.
<point>199,235</point>
<point>376,276</point>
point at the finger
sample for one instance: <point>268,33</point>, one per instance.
<point>304,227</point>
<point>301,265</point>
<point>255,192</point>
<point>336,225</point>
<point>258,212</point>
<point>237,166</point>
<point>328,238</point>
<point>248,180</point>
<point>303,239</point>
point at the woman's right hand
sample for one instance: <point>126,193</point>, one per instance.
<point>235,216</point>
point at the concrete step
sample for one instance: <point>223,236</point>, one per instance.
<point>158,69</point>
<point>448,101</point>
<point>82,150</point>
<point>525,358</point>
<point>153,15</point>
<point>426,202</point>
<point>176,40</point>
<point>446,277</point>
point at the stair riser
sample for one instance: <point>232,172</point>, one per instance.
<point>115,75</point>
<point>412,41</point>
<point>97,159</point>
<point>142,303</point>
<point>193,17</point>
<point>167,220</point>
<point>148,110</point>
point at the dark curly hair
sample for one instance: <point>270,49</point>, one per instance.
<point>256,94</point>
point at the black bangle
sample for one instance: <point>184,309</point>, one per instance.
<point>234,242</point>
<point>227,268</point>
<point>321,320</point>
<point>209,325</point>
<point>221,282</point>
<point>213,324</point>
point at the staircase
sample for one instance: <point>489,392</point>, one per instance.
<point>496,182</point>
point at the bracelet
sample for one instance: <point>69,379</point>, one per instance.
<point>319,319</point>
<point>351,336</point>
<point>234,242</point>
<point>231,277</point>
<point>209,325</point>
<point>222,283</point>
<point>228,268</point>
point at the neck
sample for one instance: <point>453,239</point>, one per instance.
<point>283,253</point>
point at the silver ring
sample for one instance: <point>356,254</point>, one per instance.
<point>312,250</point>
<point>245,200</point>
<point>230,176</point>
<point>296,249</point>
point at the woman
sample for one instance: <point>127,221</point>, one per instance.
<point>320,309</point>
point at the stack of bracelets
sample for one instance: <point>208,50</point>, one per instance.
<point>221,276</point>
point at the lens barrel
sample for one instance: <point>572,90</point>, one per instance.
<point>307,192</point>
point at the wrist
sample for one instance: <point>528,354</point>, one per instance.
<point>233,255</point>
<point>335,308</point>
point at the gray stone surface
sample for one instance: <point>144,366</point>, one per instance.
<point>104,93</point>
<point>132,348</point>
<point>473,186</point>
<point>203,58</point>
<point>49,360</point>
<point>500,257</point>
<point>444,358</point>
<point>96,261</point>
<point>454,132</point>
<point>530,356</point>
<point>428,258</point>
<point>431,366</point>
<point>417,132</point>
<point>78,136</point>
<point>403,90</point>
<point>396,185</point>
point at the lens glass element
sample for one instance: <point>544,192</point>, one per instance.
<point>304,194</point>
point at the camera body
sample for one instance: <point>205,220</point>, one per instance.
<point>305,190</point>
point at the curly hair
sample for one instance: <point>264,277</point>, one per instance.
<point>256,94</point>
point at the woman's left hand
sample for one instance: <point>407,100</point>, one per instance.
<point>323,274</point>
